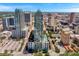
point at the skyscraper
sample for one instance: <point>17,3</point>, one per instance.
<point>38,26</point>
<point>40,39</point>
<point>19,24</point>
<point>71,17</point>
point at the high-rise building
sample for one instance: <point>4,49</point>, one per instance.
<point>19,19</point>
<point>71,17</point>
<point>50,19</point>
<point>19,24</point>
<point>65,36</point>
<point>8,23</point>
<point>40,39</point>
<point>28,18</point>
<point>38,25</point>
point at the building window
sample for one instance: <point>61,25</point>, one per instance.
<point>11,21</point>
<point>27,17</point>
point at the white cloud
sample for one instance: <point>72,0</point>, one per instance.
<point>63,10</point>
<point>69,10</point>
<point>74,10</point>
<point>11,8</point>
<point>5,8</point>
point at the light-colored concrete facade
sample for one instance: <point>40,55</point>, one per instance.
<point>65,35</point>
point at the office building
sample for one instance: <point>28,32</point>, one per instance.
<point>8,23</point>
<point>38,25</point>
<point>40,40</point>
<point>65,36</point>
<point>19,24</point>
<point>71,17</point>
<point>28,18</point>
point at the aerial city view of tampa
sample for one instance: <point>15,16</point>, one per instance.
<point>39,29</point>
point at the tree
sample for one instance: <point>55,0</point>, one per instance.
<point>46,54</point>
<point>56,49</point>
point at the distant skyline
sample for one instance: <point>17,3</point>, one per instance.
<point>44,7</point>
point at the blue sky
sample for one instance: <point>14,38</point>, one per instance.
<point>47,7</point>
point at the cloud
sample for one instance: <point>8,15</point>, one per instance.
<point>69,10</point>
<point>62,10</point>
<point>12,8</point>
<point>74,10</point>
<point>5,8</point>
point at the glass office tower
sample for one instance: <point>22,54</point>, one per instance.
<point>19,23</point>
<point>38,26</point>
<point>40,39</point>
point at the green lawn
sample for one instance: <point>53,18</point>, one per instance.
<point>71,54</point>
<point>41,53</point>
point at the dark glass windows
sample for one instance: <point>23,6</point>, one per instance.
<point>11,21</point>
